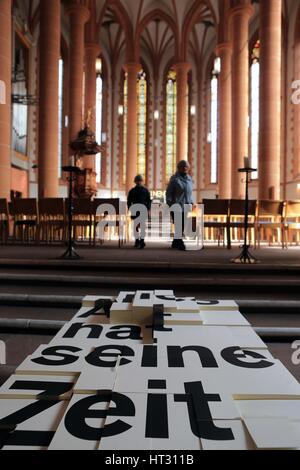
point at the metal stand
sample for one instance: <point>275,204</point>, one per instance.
<point>70,254</point>
<point>246,257</point>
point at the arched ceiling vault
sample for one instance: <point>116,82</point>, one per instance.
<point>28,12</point>
<point>156,27</point>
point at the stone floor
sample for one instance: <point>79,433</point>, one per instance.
<point>154,253</point>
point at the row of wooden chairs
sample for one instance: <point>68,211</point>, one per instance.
<point>268,220</point>
<point>45,220</point>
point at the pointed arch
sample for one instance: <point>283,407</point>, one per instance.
<point>124,20</point>
<point>152,16</point>
<point>191,19</point>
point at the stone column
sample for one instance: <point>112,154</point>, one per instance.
<point>224,51</point>
<point>5,96</point>
<point>182,69</point>
<point>270,99</point>
<point>79,15</point>
<point>50,13</point>
<point>132,70</point>
<point>240,16</point>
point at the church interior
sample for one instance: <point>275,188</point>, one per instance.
<point>96,92</point>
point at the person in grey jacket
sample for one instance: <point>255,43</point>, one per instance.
<point>180,191</point>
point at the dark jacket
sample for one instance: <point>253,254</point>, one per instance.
<point>139,195</point>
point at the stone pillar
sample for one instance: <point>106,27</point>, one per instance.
<point>224,51</point>
<point>50,13</point>
<point>5,96</point>
<point>240,16</point>
<point>182,69</point>
<point>132,70</point>
<point>79,15</point>
<point>270,99</point>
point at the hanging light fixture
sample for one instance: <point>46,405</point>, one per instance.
<point>156,109</point>
<point>98,66</point>
<point>193,110</point>
<point>217,66</point>
<point>156,115</point>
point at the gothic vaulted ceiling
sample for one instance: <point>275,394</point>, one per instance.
<point>158,29</point>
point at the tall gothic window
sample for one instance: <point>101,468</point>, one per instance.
<point>60,115</point>
<point>142,123</point>
<point>20,90</point>
<point>142,93</point>
<point>171,123</point>
<point>99,117</point>
<point>254,105</point>
<point>214,116</point>
<point>125,121</point>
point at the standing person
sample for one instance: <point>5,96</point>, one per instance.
<point>180,191</point>
<point>139,195</point>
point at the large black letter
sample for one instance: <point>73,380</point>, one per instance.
<point>200,416</point>
<point>95,333</point>
<point>101,304</point>
<point>46,399</point>
<point>76,418</point>
<point>149,358</point>
<point>125,332</point>
<point>95,357</point>
<point>157,426</point>
<point>57,351</point>
<point>235,354</point>
<point>175,356</point>
<point>207,302</point>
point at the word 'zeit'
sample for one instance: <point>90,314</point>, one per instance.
<point>157,405</point>
<point>121,407</point>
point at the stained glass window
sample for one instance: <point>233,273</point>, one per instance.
<point>142,123</point>
<point>142,87</point>
<point>125,120</point>
<point>214,130</point>
<point>99,121</point>
<point>60,115</point>
<point>254,112</point>
<point>171,123</point>
<point>20,89</point>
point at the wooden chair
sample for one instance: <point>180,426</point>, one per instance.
<point>292,222</point>
<point>270,221</point>
<point>216,219</point>
<point>118,220</point>
<point>237,218</point>
<point>4,221</point>
<point>83,219</point>
<point>52,221</point>
<point>25,214</point>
